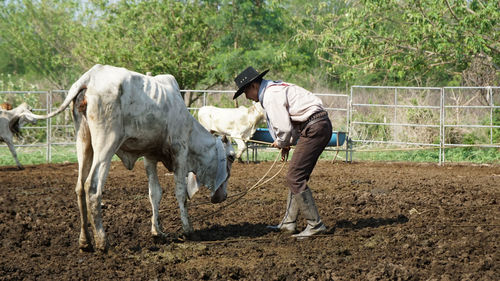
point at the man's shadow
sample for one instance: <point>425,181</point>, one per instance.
<point>370,222</point>
<point>232,231</point>
<point>256,230</point>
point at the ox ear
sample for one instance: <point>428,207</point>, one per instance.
<point>192,185</point>
<point>228,147</point>
<point>221,159</point>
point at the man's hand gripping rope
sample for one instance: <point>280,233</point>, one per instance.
<point>284,151</point>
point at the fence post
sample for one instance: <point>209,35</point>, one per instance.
<point>49,128</point>
<point>397,129</point>
<point>441,129</point>
<point>490,90</point>
<point>348,150</point>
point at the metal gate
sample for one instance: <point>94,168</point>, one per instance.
<point>422,117</point>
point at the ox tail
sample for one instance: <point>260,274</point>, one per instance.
<point>73,92</point>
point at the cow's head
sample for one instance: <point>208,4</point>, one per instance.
<point>225,156</point>
<point>23,111</point>
<point>21,116</point>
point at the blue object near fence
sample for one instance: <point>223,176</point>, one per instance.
<point>262,134</point>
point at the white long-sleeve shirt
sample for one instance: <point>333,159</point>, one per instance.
<point>285,103</point>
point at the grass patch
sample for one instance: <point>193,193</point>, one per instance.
<point>38,155</point>
<point>67,154</point>
<point>455,155</point>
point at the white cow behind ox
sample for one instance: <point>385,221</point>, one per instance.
<point>117,111</point>
<point>11,122</point>
<point>237,123</point>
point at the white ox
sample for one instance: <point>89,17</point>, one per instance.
<point>117,111</point>
<point>11,122</point>
<point>237,123</point>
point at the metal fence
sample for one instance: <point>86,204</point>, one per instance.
<point>415,117</point>
<point>59,131</point>
<point>470,111</point>
<point>336,104</point>
<point>423,117</point>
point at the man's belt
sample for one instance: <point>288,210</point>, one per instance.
<point>315,117</point>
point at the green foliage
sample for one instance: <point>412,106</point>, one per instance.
<point>473,155</point>
<point>420,115</point>
<point>39,36</point>
<point>373,131</point>
<point>206,43</point>
<point>9,83</point>
<point>258,34</point>
<point>202,43</point>
<point>152,36</point>
<point>401,42</point>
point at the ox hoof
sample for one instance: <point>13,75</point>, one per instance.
<point>162,238</point>
<point>102,246</point>
<point>20,168</point>
<point>156,232</point>
<point>87,248</point>
<point>103,249</point>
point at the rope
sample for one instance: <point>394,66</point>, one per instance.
<point>242,194</point>
<point>251,188</point>
<point>255,141</point>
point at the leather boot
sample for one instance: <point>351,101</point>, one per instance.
<point>289,221</point>
<point>308,209</point>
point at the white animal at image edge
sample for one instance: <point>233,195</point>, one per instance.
<point>11,122</point>
<point>236,123</point>
<point>117,111</point>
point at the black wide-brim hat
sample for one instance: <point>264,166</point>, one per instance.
<point>246,77</point>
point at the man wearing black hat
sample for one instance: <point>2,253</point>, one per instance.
<point>292,111</point>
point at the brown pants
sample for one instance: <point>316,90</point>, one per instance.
<point>313,140</point>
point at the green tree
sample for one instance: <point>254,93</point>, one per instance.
<point>151,36</point>
<point>422,42</point>
<point>38,37</point>
<point>202,43</point>
<point>259,33</point>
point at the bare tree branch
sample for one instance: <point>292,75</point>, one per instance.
<point>451,11</point>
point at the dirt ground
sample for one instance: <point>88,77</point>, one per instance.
<point>386,221</point>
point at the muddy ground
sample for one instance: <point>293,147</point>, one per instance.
<point>386,221</point>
